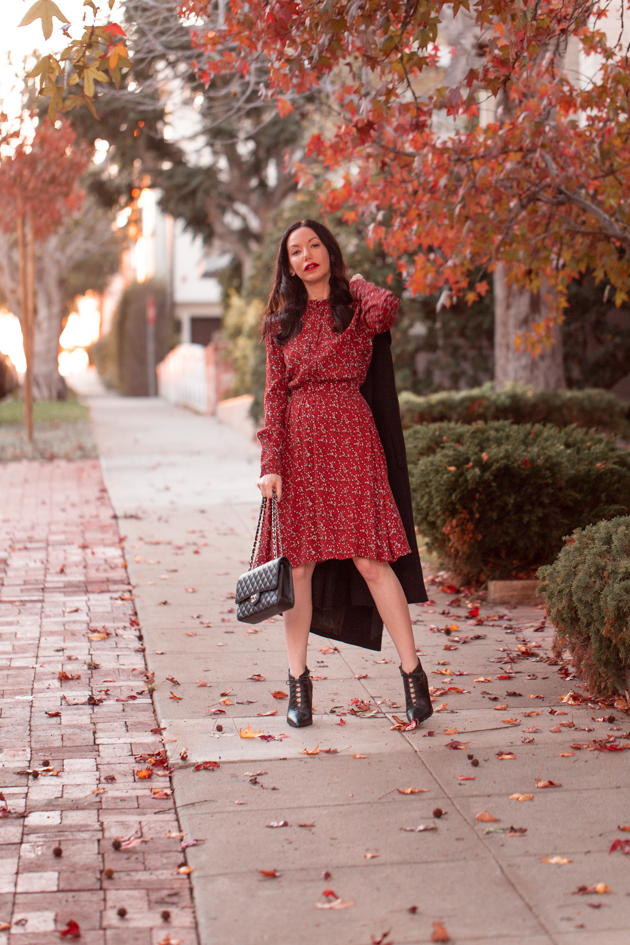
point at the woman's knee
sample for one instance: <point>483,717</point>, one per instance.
<point>371,570</point>
<point>303,572</point>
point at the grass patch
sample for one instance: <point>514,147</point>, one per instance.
<point>44,411</point>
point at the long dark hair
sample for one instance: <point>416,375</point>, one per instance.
<point>288,297</point>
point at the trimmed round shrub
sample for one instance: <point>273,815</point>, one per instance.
<point>595,409</point>
<point>494,500</point>
<point>587,590</point>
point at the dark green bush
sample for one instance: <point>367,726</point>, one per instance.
<point>121,356</point>
<point>494,500</point>
<point>587,590</point>
<point>595,409</point>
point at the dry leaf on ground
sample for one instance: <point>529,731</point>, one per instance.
<point>619,844</point>
<point>72,930</point>
<point>454,744</point>
<point>278,823</point>
<point>144,773</point>
<point>412,790</point>
<point>439,933</point>
<point>358,756</point>
<point>521,797</point>
<point>600,888</point>
<point>257,677</point>
<point>547,784</point>
<point>556,860</point>
<point>279,694</point>
<point>270,874</point>
<point>173,696</point>
<point>248,733</point>
<point>485,818</point>
<point>335,904</point>
<point>185,870</point>
<point>506,756</point>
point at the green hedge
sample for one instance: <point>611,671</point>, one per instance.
<point>587,590</point>
<point>494,500</point>
<point>595,409</point>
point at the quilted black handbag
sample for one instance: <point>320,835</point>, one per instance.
<point>266,590</point>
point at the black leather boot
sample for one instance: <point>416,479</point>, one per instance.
<point>300,709</point>
<point>416,684</point>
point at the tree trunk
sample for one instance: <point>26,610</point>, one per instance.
<point>48,384</point>
<point>515,311</point>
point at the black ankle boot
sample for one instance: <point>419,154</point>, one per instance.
<point>300,710</point>
<point>416,685</point>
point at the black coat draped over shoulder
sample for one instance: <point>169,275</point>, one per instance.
<point>343,608</point>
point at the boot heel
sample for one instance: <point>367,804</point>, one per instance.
<point>300,708</point>
<point>417,696</point>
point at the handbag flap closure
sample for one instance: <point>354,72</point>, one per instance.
<point>263,578</point>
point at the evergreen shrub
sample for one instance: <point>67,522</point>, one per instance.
<point>494,500</point>
<point>595,409</point>
<point>587,589</point>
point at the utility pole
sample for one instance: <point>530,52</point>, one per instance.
<point>152,385</point>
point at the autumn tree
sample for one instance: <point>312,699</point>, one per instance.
<point>507,161</point>
<point>40,191</point>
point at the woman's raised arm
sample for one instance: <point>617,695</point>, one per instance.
<point>377,307</point>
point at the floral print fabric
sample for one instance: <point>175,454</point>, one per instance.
<point>320,436</point>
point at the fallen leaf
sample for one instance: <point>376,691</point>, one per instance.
<point>278,823</point>
<point>335,904</point>
<point>362,676</point>
<point>547,784</point>
<point>371,856</point>
<point>531,730</point>
<point>511,721</point>
<point>485,818</point>
<point>341,722</point>
<point>307,825</point>
<point>483,679</point>
<point>63,676</point>
<point>439,933</point>
<point>159,794</point>
<point>72,930</point>
<point>466,777</point>
<point>257,677</point>
<point>532,713</point>
<point>521,797</point>
<point>556,860</point>
<point>566,754</point>
<point>190,590</point>
<point>358,756</point>
<point>172,679</point>
<point>279,694</point>
<point>412,790</point>
<point>454,744</point>
<point>600,888</point>
<point>273,712</point>
<point>506,756</point>
<point>625,828</point>
<point>53,715</point>
<point>99,790</point>
<point>313,751</point>
<point>500,708</point>
<point>450,731</point>
<point>95,637</point>
<point>205,765</point>
<point>4,926</point>
<point>185,870</point>
<point>248,733</point>
<point>168,940</point>
<point>270,874</point>
<point>144,773</point>
<point>618,844</point>
<point>173,696</point>
<point>202,682</point>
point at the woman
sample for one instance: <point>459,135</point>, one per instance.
<point>321,453</point>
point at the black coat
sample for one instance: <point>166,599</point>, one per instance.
<point>343,608</point>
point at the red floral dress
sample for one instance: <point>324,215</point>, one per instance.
<point>320,436</point>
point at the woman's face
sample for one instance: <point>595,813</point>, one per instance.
<point>308,257</point>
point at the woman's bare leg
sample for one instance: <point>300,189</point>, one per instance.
<point>392,605</point>
<point>297,621</point>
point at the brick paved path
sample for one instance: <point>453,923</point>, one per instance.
<point>67,745</point>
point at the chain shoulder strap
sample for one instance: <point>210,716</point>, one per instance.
<point>275,531</point>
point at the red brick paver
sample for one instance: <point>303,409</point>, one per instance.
<point>68,745</point>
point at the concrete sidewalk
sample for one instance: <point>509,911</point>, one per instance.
<point>356,853</point>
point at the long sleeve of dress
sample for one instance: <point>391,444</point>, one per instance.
<point>378,306</point>
<point>276,399</point>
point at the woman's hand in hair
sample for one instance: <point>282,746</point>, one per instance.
<point>269,484</point>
